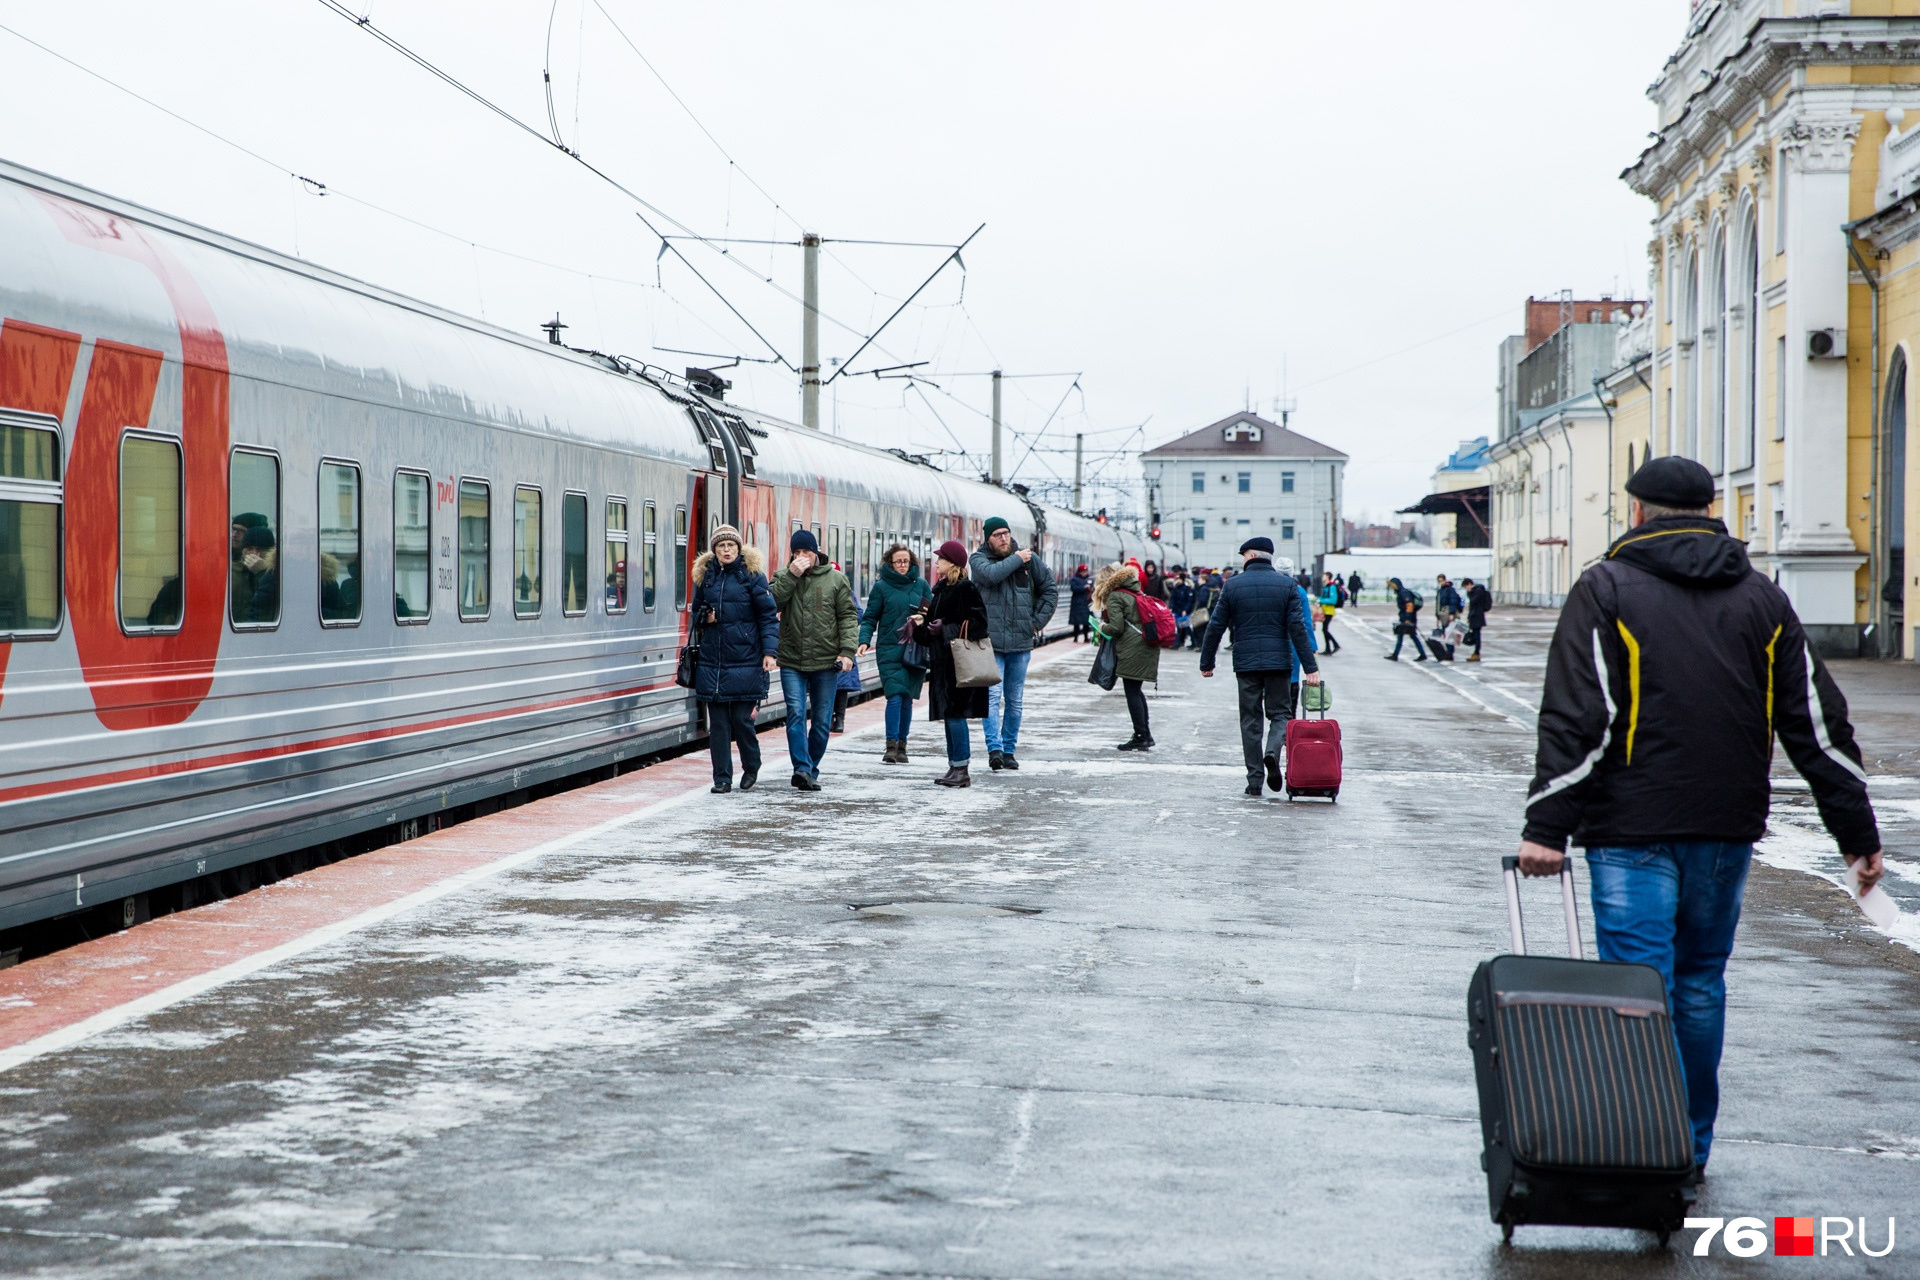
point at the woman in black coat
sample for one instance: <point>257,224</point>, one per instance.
<point>1080,611</point>
<point>956,610</point>
<point>739,632</point>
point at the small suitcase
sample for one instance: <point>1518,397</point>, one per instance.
<point>1313,757</point>
<point>1583,1110</point>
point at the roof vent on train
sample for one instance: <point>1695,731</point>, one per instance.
<point>708,383</point>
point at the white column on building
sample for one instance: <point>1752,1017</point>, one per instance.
<point>1817,558</point>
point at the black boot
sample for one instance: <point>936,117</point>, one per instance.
<point>955,776</point>
<point>996,761</point>
<point>1135,743</point>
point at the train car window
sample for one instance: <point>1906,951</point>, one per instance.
<point>679,557</point>
<point>526,552</point>
<point>832,546</point>
<point>476,550</point>
<point>29,529</point>
<point>253,512</point>
<point>339,544</point>
<point>649,557</point>
<point>412,548</point>
<point>819,537</point>
<point>616,582</point>
<point>573,554</point>
<point>150,533</point>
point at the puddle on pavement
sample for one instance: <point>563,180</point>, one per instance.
<point>937,910</point>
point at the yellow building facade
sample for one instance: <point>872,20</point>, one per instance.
<point>1771,334</point>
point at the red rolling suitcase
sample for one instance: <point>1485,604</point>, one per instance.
<point>1313,757</point>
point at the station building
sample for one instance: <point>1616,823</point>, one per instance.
<point>1778,338</point>
<point>1239,477</point>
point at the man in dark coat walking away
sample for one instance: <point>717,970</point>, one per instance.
<point>1080,606</point>
<point>737,625</point>
<point>1674,666</point>
<point>1353,586</point>
<point>1020,594</point>
<point>1264,610</point>
<point>1479,600</point>
<point>819,632</point>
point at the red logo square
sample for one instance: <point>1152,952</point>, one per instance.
<point>1793,1237</point>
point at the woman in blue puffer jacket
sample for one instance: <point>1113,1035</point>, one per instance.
<point>738,631</point>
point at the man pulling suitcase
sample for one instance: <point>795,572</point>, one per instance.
<point>1673,667</point>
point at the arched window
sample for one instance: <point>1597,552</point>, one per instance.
<point>1753,326</point>
<point>1685,434</point>
<point>1714,341</point>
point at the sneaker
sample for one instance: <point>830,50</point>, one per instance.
<point>801,782</point>
<point>720,788</point>
<point>996,760</point>
<point>1273,771</point>
<point>1008,762</point>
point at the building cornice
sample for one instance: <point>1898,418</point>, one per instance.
<point>1772,49</point>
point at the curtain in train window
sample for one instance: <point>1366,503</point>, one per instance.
<point>649,555</point>
<point>476,548</point>
<point>412,547</point>
<point>573,554</point>
<point>616,581</point>
<point>29,529</point>
<point>150,533</point>
<point>253,572</point>
<point>340,587</point>
<point>679,558</point>
<point>526,552</point>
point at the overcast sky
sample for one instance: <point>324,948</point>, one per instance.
<point>1180,201</point>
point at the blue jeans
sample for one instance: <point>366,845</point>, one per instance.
<point>959,742</point>
<point>899,716</point>
<point>1005,700</point>
<point>809,696</point>
<point>1675,907</point>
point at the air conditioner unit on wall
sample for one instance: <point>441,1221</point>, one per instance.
<point>1826,344</point>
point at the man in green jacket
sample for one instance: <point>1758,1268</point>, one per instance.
<point>819,632</point>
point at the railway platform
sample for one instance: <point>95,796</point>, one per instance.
<point>1102,1017</point>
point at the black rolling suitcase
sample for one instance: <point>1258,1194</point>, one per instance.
<point>1583,1110</point>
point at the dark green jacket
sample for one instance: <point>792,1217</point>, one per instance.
<point>893,598</point>
<point>1134,658</point>
<point>817,621</point>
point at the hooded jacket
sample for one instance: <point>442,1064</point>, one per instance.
<point>745,630</point>
<point>1020,597</point>
<point>818,624</point>
<point>1267,612</point>
<point>1673,668</point>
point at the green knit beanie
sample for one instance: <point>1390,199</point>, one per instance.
<point>994,525</point>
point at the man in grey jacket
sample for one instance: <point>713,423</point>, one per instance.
<point>1020,594</point>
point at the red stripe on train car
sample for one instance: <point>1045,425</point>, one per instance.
<point>36,372</point>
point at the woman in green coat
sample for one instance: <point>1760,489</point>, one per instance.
<point>901,593</point>
<point>1135,661</point>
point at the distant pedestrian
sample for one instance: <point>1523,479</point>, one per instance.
<point>1206,594</point>
<point>1180,600</point>
<point>956,611</point>
<point>1353,586</point>
<point>1406,620</point>
<point>1479,600</point>
<point>819,632</point>
<point>1080,604</point>
<point>899,593</point>
<point>1020,593</point>
<point>1264,611</point>
<point>1330,598</point>
<point>1153,582</point>
<point>738,632</point>
<point>1673,668</point>
<point>1310,606</point>
<point>1135,661</point>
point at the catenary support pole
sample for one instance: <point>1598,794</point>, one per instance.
<point>1078,440</point>
<point>810,331</point>
<point>996,427</point>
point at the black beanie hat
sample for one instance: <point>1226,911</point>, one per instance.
<point>1672,482</point>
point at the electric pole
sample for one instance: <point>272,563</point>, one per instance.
<point>1078,439</point>
<point>810,331</point>
<point>996,426</point>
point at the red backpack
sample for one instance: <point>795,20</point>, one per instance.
<point>1156,620</point>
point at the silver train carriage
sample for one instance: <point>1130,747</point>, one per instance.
<point>286,557</point>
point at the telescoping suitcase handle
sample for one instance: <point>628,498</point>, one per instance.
<point>1510,867</point>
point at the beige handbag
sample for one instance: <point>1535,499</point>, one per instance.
<point>973,664</point>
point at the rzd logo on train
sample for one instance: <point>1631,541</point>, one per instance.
<point>1793,1237</point>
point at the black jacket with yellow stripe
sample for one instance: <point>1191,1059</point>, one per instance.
<point>1673,668</point>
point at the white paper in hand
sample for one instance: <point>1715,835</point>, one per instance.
<point>1880,910</point>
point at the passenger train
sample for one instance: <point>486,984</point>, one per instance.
<point>286,557</point>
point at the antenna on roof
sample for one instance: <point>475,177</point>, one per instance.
<point>1284,404</point>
